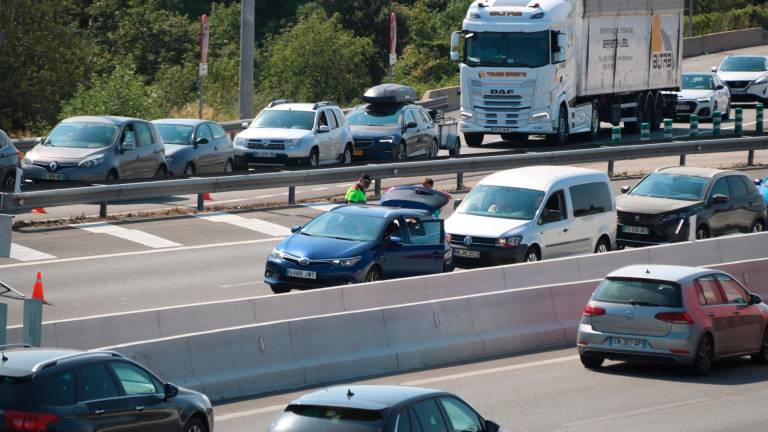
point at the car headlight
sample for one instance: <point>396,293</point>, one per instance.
<point>508,242</point>
<point>674,216</point>
<point>91,161</point>
<point>542,116</point>
<point>292,144</point>
<point>277,254</point>
<point>704,100</point>
<point>387,140</point>
<point>241,142</point>
<point>346,262</point>
<point>761,81</point>
<point>27,161</point>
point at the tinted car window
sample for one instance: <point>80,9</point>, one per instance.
<point>96,383</point>
<point>403,422</point>
<point>409,117</point>
<point>641,292</point>
<point>284,119</point>
<point>502,202</point>
<point>13,393</point>
<point>737,187</point>
<point>143,134</point>
<point>672,186</point>
<point>720,188</point>
<point>59,389</point>
<point>134,380</point>
<point>3,140</point>
<point>556,202</point>
<point>708,291</point>
<point>460,416</point>
<point>429,416</point>
<point>591,198</point>
<point>734,293</point>
<point>327,419</point>
<point>203,131</point>
<point>331,119</point>
<point>423,233</point>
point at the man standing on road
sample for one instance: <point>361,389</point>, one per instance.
<point>356,194</point>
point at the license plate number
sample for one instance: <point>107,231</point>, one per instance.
<point>357,153</point>
<point>738,91</point>
<point>265,154</point>
<point>465,253</point>
<point>635,230</point>
<point>682,107</point>
<point>302,274</point>
<point>627,342</point>
<point>51,176</point>
<point>502,130</point>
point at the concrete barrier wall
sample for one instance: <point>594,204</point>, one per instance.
<point>285,355</point>
<point>716,42</point>
<point>114,329</point>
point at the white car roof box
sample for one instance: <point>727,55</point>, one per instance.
<point>390,93</point>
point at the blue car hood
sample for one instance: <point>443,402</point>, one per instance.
<point>370,132</point>
<point>304,246</point>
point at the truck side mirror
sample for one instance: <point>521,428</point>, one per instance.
<point>714,69</point>
<point>455,38</point>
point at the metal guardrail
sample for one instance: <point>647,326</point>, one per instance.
<point>14,203</point>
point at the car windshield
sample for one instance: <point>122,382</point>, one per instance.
<point>640,292</point>
<point>529,50</point>
<point>81,135</point>
<point>698,82</point>
<point>502,202</point>
<point>13,393</point>
<point>297,418</point>
<point>175,134</point>
<point>672,186</point>
<point>285,119</point>
<point>345,226</point>
<point>378,116</point>
<point>743,64</point>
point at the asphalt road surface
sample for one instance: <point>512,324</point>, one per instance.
<point>551,391</point>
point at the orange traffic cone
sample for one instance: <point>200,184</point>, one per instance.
<point>207,197</point>
<point>39,210</point>
<point>37,291</point>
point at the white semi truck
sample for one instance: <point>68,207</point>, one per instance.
<point>560,67</point>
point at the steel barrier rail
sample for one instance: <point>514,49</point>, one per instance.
<point>14,203</point>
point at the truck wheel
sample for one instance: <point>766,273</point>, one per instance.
<point>560,137</point>
<point>594,131</point>
<point>456,150</point>
<point>658,112</point>
<point>474,139</point>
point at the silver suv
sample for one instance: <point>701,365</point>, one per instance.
<point>295,133</point>
<point>679,315</point>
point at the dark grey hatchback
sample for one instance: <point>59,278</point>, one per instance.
<point>67,390</point>
<point>380,408</point>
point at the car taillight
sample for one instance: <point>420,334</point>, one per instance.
<point>28,421</point>
<point>674,317</point>
<point>592,310</point>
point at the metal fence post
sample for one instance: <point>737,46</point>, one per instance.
<point>694,132</point>
<point>377,188</point>
<point>6,231</point>
<point>717,121</point>
<point>751,158</point>
<point>33,322</point>
<point>739,128</point>
<point>669,132</point>
<point>682,160</point>
<point>3,323</point>
<point>200,202</point>
<point>459,181</point>
<point>103,210</point>
<point>291,195</point>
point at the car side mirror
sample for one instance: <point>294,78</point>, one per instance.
<point>720,199</point>
<point>551,216</point>
<point>491,426</point>
<point>171,391</point>
<point>397,241</point>
<point>412,125</point>
<point>720,87</point>
<point>201,141</point>
<point>244,125</point>
<point>295,228</point>
<point>323,129</point>
<point>714,69</point>
<point>625,189</point>
<point>755,299</point>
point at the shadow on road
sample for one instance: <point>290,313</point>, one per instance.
<point>729,372</point>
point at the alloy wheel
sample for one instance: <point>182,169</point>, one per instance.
<point>758,227</point>
<point>704,355</point>
<point>229,167</point>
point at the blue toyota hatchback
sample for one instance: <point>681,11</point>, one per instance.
<point>362,243</point>
<point>763,188</point>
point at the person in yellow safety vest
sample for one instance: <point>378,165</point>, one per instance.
<point>356,194</point>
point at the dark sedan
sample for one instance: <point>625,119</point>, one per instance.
<point>686,203</point>
<point>196,146</point>
<point>9,160</point>
<point>380,408</point>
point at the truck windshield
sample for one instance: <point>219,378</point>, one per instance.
<point>529,50</point>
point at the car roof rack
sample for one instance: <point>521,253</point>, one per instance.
<point>323,104</point>
<point>51,362</point>
<point>277,102</point>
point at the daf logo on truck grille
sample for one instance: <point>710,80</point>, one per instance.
<point>468,241</point>
<point>502,92</point>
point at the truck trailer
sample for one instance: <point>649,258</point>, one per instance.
<point>560,67</point>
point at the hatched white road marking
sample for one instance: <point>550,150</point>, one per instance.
<point>136,236</point>
<point>23,253</point>
<point>257,225</point>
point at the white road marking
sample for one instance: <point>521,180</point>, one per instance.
<point>23,253</point>
<point>636,412</point>
<point>136,236</point>
<point>264,196</point>
<point>257,225</point>
<point>248,413</point>
<point>319,189</point>
<point>242,284</point>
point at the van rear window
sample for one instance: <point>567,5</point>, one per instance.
<point>639,292</point>
<point>13,393</point>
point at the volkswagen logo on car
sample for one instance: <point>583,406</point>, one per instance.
<point>628,315</point>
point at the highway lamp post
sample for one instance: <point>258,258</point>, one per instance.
<point>247,30</point>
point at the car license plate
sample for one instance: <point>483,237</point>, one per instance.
<point>682,107</point>
<point>465,253</point>
<point>357,153</point>
<point>627,342</point>
<point>51,176</point>
<point>738,91</point>
<point>635,230</point>
<point>502,130</point>
<point>302,274</point>
<point>265,154</point>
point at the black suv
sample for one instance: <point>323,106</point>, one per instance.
<point>680,203</point>
<point>45,389</point>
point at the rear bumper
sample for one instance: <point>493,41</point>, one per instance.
<point>655,349</point>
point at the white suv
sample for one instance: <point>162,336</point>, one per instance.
<point>746,76</point>
<point>295,133</point>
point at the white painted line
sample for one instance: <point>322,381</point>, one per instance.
<point>636,412</point>
<point>264,196</point>
<point>242,284</point>
<point>502,369</point>
<point>136,236</point>
<point>319,189</point>
<point>144,252</point>
<point>23,253</point>
<point>257,225</point>
<point>252,412</point>
<point>342,185</point>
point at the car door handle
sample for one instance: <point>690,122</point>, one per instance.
<point>139,408</point>
<point>99,411</point>
<point>565,229</point>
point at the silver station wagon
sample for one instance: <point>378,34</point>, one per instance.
<point>680,315</point>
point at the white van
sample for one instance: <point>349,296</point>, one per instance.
<point>531,213</point>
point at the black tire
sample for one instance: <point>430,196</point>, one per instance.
<point>727,113</point>
<point>346,156</point>
<point>229,166</point>
<point>533,254</point>
<point>758,226</point>
<point>474,139</point>
<point>373,275</point>
<point>658,112</point>
<point>434,149</point>
<point>456,150</point>
<point>603,246</point>
<point>705,356</point>
<point>702,232</point>
<point>161,172</point>
<point>761,357</point>
<point>313,160</point>
<point>194,425</point>
<point>9,182</point>
<point>189,170</point>
<point>401,152</point>
<point>594,131</point>
<point>591,362</point>
<point>560,137</point>
<point>280,290</point>
<point>634,126</point>
<point>111,176</point>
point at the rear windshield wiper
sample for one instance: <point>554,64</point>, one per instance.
<point>640,303</point>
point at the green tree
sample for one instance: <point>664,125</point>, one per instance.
<point>317,59</point>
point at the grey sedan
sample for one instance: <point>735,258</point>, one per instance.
<point>9,160</point>
<point>195,146</point>
<point>679,315</point>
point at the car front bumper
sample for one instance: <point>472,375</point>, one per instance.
<point>244,156</point>
<point>654,349</point>
<point>368,149</point>
<point>327,274</point>
<point>66,173</point>
<point>488,255</point>
<point>686,108</point>
<point>657,234</point>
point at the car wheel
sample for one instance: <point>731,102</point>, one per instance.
<point>434,149</point>
<point>759,226</point>
<point>533,254</point>
<point>702,233</point>
<point>474,139</point>
<point>9,182</point>
<point>194,425</point>
<point>162,171</point>
<point>401,153</point>
<point>705,354</point>
<point>279,289</point>
<point>456,150</point>
<point>313,160</point>
<point>603,246</point>
<point>346,157</point>
<point>189,170</point>
<point>761,357</point>
<point>727,112</point>
<point>373,275</point>
<point>560,137</point>
<point>229,167</point>
<point>591,362</point>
